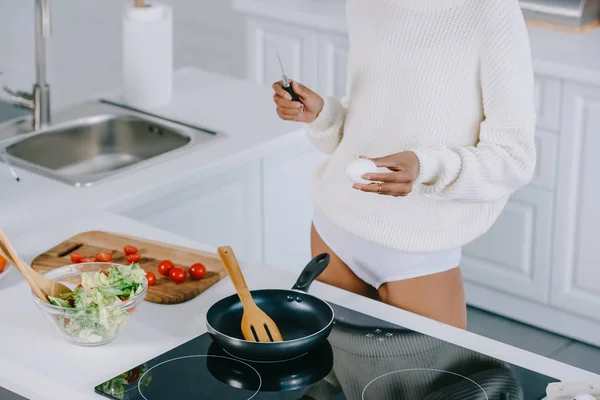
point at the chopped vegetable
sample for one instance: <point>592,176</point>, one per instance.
<point>165,267</point>
<point>197,271</point>
<point>77,257</point>
<point>88,260</point>
<point>89,316</point>
<point>133,258</point>
<point>105,256</point>
<point>130,250</point>
<point>2,264</point>
<point>177,275</point>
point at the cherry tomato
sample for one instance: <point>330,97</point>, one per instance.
<point>77,257</point>
<point>105,256</point>
<point>133,258</point>
<point>151,278</point>
<point>130,250</point>
<point>197,271</point>
<point>88,260</point>
<point>165,267</point>
<point>177,275</point>
<point>2,264</point>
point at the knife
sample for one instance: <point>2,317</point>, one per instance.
<point>285,82</point>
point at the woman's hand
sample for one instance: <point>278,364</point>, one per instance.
<point>306,110</point>
<point>404,169</point>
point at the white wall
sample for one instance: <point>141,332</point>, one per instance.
<point>84,53</point>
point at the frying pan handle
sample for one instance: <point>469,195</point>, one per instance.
<point>311,272</point>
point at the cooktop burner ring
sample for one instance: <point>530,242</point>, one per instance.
<point>421,369</point>
<point>141,379</point>
<point>264,361</point>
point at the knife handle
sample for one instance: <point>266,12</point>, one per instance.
<point>291,92</point>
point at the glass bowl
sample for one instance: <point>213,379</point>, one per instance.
<point>88,326</point>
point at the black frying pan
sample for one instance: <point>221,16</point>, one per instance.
<point>304,321</point>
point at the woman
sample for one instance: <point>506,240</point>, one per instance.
<point>440,96</point>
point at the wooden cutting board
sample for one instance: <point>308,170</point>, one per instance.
<point>164,291</point>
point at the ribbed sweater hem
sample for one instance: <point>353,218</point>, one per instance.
<point>410,236</point>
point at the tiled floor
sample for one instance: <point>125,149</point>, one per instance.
<point>513,333</point>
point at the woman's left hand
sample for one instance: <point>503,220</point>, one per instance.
<point>404,168</point>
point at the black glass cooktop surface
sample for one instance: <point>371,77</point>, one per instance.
<point>364,359</point>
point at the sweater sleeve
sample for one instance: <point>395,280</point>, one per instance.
<point>326,131</point>
<point>504,158</point>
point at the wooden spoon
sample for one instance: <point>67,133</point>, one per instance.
<point>257,326</point>
<point>41,286</point>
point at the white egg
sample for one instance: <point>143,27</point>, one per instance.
<point>584,396</point>
<point>357,168</point>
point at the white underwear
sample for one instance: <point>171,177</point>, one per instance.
<point>375,264</point>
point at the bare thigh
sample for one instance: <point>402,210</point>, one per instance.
<point>439,296</point>
<point>337,273</point>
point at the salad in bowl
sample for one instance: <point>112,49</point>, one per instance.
<point>103,298</point>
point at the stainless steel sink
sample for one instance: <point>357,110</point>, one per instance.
<point>97,141</point>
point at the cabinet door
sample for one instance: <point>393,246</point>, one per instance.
<point>220,210</point>
<point>297,48</point>
<point>547,102</point>
<point>514,255</point>
<point>288,208</point>
<point>576,272</point>
<point>333,65</point>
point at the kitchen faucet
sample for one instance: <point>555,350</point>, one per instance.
<point>39,101</point>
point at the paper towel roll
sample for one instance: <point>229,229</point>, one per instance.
<point>148,55</point>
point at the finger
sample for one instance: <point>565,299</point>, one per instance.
<point>386,162</point>
<point>300,89</point>
<point>386,189</point>
<point>390,177</point>
<point>292,114</point>
<point>280,91</point>
<point>285,103</point>
<point>287,117</point>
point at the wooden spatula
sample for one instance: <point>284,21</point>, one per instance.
<point>257,326</point>
<point>41,286</point>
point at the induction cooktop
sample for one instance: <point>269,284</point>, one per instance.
<point>364,359</point>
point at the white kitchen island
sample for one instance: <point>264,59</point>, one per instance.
<point>37,363</point>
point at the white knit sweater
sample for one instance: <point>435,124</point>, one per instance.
<point>450,80</point>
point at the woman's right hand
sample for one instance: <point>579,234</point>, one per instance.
<point>306,110</point>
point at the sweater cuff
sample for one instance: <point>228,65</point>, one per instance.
<point>325,119</point>
<point>435,163</point>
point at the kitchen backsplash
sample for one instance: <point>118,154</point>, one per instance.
<point>84,53</point>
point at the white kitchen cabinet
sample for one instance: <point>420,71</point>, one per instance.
<point>514,256</point>
<point>288,208</point>
<point>539,263</point>
<point>546,146</point>
<point>576,267</point>
<point>547,94</point>
<point>333,61</point>
<point>217,210</point>
<point>296,46</point>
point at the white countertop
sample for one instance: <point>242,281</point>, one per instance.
<point>563,55</point>
<point>37,363</point>
<point>38,213</point>
<point>242,110</point>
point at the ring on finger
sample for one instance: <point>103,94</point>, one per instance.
<point>380,191</point>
